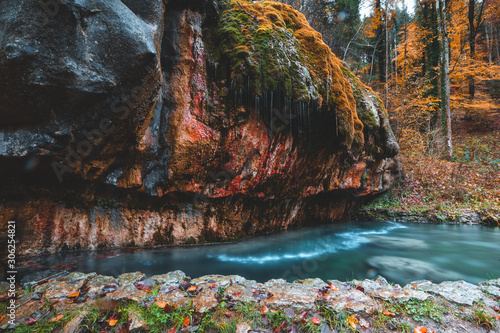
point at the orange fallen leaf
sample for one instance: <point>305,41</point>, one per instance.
<point>387,313</point>
<point>228,314</point>
<point>61,316</point>
<point>29,303</point>
<point>1,318</point>
<point>414,285</point>
<point>192,288</point>
<point>112,321</point>
<point>420,329</point>
<point>161,304</point>
<point>74,294</point>
<point>172,330</point>
<point>186,321</point>
<point>265,309</point>
<point>214,285</point>
<point>352,321</point>
<point>316,320</point>
<point>334,287</point>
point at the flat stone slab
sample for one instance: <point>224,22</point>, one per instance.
<point>130,278</point>
<point>352,300</point>
<point>459,292</point>
<point>127,291</point>
<point>381,289</point>
<point>170,278</point>
<point>491,287</point>
<point>204,301</point>
<point>283,294</point>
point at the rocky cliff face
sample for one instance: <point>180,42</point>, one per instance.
<point>127,124</point>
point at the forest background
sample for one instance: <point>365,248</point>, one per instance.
<point>436,66</point>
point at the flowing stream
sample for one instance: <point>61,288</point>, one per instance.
<point>400,252</point>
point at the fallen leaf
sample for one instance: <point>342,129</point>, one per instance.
<point>74,294</point>
<point>61,316</point>
<point>387,313</point>
<point>303,315</point>
<point>334,287</point>
<point>420,329</point>
<point>1,318</point>
<point>172,330</point>
<point>316,320</point>
<point>213,285</point>
<point>358,287</point>
<point>352,321</point>
<point>237,293</point>
<point>414,285</point>
<point>29,303</point>
<point>30,321</point>
<point>161,304</point>
<point>265,309</point>
<point>112,321</point>
<point>228,314</point>
<point>192,288</point>
<point>186,321</point>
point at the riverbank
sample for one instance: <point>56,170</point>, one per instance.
<point>429,215</point>
<point>465,189</point>
<point>76,302</point>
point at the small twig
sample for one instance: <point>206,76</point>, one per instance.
<point>253,17</point>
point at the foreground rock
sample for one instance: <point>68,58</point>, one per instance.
<point>175,122</point>
<point>174,302</point>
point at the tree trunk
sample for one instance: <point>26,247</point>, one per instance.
<point>445,75</point>
<point>406,33</point>
<point>473,27</point>
<point>496,36</point>
<point>386,55</point>
<point>488,42</point>
<point>380,49</point>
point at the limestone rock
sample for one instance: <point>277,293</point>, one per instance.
<point>353,300</point>
<point>491,287</point>
<point>136,324</point>
<point>170,278</point>
<point>460,292</point>
<point>126,291</point>
<point>75,325</point>
<point>120,98</point>
<point>293,295</point>
<point>204,301</point>
<point>130,278</point>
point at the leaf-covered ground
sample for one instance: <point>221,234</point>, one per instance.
<point>448,188</point>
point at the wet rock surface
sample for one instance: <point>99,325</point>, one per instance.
<point>122,129</point>
<point>366,306</point>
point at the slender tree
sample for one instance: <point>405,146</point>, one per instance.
<point>444,47</point>
<point>475,17</point>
